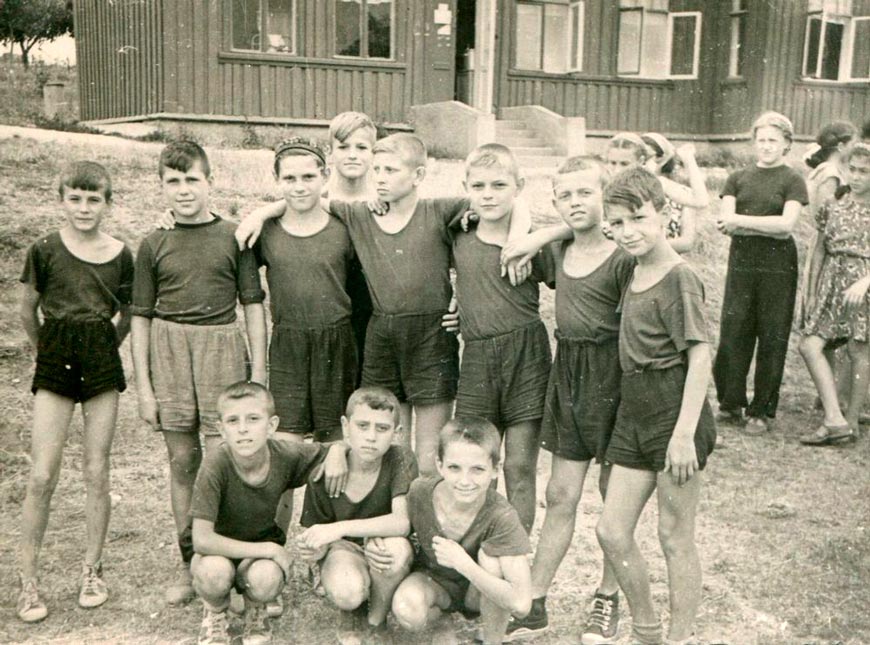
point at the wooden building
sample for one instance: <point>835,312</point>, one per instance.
<point>697,67</point>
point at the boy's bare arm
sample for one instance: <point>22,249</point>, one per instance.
<point>207,542</point>
<point>250,227</point>
<point>394,524</point>
<point>141,328</point>
<point>682,458</point>
<point>122,324</point>
<point>526,247</point>
<point>29,313</point>
<point>255,325</point>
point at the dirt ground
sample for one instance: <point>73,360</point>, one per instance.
<point>782,529</point>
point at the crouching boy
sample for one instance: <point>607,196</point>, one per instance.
<point>236,541</point>
<point>472,545</point>
<point>360,537</point>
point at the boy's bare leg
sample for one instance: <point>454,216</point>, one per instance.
<point>51,417</point>
<point>185,456</point>
<point>677,506</point>
<point>812,349</point>
<point>859,357</point>
<point>430,419</point>
<point>385,583</point>
<point>494,618</point>
<point>520,466</point>
<point>345,578</point>
<point>284,514</point>
<point>213,578</point>
<point>418,602</point>
<point>264,581</point>
<point>609,585</point>
<point>100,414</point>
<point>563,494</point>
<point>628,491</point>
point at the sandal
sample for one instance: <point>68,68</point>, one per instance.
<point>826,435</point>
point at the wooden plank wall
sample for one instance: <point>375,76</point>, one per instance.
<point>118,44</point>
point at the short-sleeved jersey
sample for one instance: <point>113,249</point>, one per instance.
<point>398,470</point>
<point>307,276</point>
<point>660,323</point>
<point>845,223</point>
<point>75,289</point>
<point>488,304</point>
<point>244,512</point>
<point>496,529</point>
<point>587,307</point>
<point>409,271</point>
<point>195,274</point>
<point>764,191</point>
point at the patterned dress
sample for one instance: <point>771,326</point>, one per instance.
<point>846,227</point>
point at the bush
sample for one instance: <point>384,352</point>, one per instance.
<point>721,157</point>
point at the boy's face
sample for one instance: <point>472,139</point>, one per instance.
<point>467,470</point>
<point>246,424</point>
<point>859,175</point>
<point>352,158</point>
<point>491,191</point>
<point>577,198</point>
<point>636,232</point>
<point>394,178</point>
<point>621,158</point>
<point>84,209</point>
<point>301,180</point>
<point>770,145</point>
<point>187,192</point>
<point>369,432</point>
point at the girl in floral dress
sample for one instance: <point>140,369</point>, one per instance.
<point>838,310</point>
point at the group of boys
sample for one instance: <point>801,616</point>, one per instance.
<point>627,387</point>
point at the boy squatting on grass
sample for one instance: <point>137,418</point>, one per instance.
<point>359,538</point>
<point>405,254</point>
<point>236,540</point>
<point>584,388</point>
<point>472,547</point>
<point>187,346</point>
<point>664,428</point>
<point>81,279</point>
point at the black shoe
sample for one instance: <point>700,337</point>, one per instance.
<point>532,624</point>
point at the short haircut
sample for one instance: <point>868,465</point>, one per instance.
<point>493,155</point>
<point>473,430</point>
<point>181,156</point>
<point>858,149</point>
<point>409,147</point>
<point>86,175</point>
<point>633,187</point>
<point>775,120</point>
<point>346,123</point>
<point>583,162</point>
<point>246,390</point>
<point>630,141</point>
<point>376,398</point>
<point>830,137</point>
<point>300,147</point>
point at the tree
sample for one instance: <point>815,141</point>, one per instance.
<point>27,22</point>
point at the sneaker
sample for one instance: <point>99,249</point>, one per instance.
<point>275,607</point>
<point>215,629</point>
<point>258,629</point>
<point>30,608</point>
<point>181,590</point>
<point>530,625</point>
<point>93,592</point>
<point>603,623</point>
<point>730,417</point>
<point>756,427</point>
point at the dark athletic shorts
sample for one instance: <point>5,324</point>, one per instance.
<point>412,356</point>
<point>582,399</point>
<point>504,378</point>
<point>648,412</point>
<point>312,373</point>
<point>78,359</point>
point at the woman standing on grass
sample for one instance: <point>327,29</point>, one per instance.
<point>760,207</point>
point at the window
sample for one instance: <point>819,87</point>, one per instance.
<point>837,43</point>
<point>737,52</point>
<point>364,28</point>
<point>274,18</point>
<point>657,43</point>
<point>549,35</point>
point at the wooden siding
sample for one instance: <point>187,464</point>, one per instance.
<point>120,54</point>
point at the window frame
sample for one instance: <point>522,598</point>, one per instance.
<point>669,44</point>
<point>364,34</point>
<point>263,30</point>
<point>737,40</point>
<point>696,51</point>
<point>574,66</point>
<point>847,45</point>
<point>853,27</point>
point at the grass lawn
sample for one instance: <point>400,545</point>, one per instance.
<point>782,529</point>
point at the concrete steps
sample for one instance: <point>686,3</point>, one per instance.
<point>531,151</point>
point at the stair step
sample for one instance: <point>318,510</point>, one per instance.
<point>534,151</point>
<point>521,142</point>
<point>508,123</point>
<point>537,164</point>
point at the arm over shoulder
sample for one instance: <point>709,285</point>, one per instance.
<point>145,281</point>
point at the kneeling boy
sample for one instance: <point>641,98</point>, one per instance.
<point>236,541</point>
<point>372,507</point>
<point>472,545</point>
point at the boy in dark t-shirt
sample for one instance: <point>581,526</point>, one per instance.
<point>472,547</point>
<point>664,428</point>
<point>235,537</point>
<point>351,535</point>
<point>186,344</point>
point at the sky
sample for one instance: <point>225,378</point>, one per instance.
<point>62,50</point>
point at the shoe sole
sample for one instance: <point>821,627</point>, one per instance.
<point>524,633</point>
<point>599,640</point>
<point>31,620</point>
<point>92,604</point>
